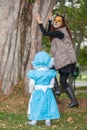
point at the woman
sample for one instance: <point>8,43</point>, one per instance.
<point>62,51</point>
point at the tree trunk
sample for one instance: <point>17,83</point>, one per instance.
<point>20,38</point>
<point>43,7</point>
<point>10,63</point>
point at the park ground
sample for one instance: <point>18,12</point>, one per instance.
<point>13,113</point>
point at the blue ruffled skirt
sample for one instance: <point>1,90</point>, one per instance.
<point>43,106</point>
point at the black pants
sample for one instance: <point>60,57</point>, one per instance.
<point>63,80</point>
<point>64,73</point>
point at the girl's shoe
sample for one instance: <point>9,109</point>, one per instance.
<point>47,123</point>
<point>32,123</point>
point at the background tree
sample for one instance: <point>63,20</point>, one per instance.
<point>83,56</point>
<point>76,19</point>
<point>83,61</point>
<point>20,38</point>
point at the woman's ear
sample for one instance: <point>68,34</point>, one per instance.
<point>57,14</point>
<point>64,15</point>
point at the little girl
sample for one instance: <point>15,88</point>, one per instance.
<point>42,104</point>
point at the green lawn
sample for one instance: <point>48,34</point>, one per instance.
<point>13,114</point>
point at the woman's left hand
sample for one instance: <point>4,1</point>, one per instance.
<point>38,18</point>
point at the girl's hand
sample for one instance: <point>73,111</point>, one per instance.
<point>38,18</point>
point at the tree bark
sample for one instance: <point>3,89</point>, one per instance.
<point>43,7</point>
<point>20,39</point>
<point>10,43</point>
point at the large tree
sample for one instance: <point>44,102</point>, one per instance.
<point>20,38</point>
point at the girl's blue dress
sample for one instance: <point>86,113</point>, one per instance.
<point>43,105</point>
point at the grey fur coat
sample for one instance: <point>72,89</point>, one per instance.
<point>62,50</point>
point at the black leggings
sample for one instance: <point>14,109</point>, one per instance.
<point>64,73</point>
<point>63,80</point>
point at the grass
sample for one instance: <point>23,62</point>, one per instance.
<point>13,114</point>
<point>82,77</point>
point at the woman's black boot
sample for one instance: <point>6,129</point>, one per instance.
<point>70,93</point>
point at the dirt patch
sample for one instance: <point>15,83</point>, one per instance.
<point>13,103</point>
<point>19,102</point>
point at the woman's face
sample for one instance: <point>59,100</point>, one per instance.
<point>57,21</point>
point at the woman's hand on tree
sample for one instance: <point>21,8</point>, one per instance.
<point>38,18</point>
<point>50,15</point>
